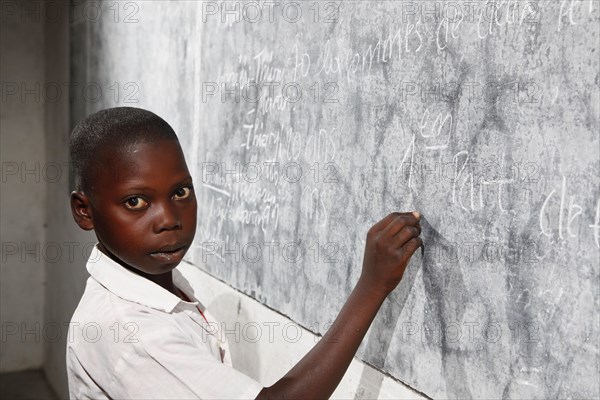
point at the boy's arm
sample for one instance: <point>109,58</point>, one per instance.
<point>317,375</point>
<point>390,244</point>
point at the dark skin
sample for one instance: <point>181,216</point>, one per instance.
<point>130,230</point>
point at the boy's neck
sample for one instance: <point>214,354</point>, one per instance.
<point>164,280</point>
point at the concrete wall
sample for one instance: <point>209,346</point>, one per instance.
<point>43,251</point>
<point>23,194</point>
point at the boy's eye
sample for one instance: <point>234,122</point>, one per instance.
<point>135,203</point>
<point>183,192</point>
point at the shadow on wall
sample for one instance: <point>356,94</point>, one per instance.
<point>445,290</point>
<point>384,325</point>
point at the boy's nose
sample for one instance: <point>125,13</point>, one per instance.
<point>167,218</point>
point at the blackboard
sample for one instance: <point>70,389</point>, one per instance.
<point>306,122</point>
<point>319,118</point>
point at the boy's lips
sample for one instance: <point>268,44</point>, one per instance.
<point>170,248</point>
<point>169,253</point>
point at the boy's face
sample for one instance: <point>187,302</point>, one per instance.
<point>143,207</point>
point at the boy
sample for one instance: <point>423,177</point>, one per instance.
<point>139,330</point>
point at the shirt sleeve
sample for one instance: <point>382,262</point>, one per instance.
<point>166,364</point>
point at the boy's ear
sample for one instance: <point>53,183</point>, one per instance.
<point>80,207</point>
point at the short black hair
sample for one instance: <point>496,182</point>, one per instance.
<point>112,129</point>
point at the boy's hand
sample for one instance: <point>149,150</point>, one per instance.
<point>390,244</point>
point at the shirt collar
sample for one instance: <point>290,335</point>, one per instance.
<point>133,287</point>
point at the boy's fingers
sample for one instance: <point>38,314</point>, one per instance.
<point>384,222</point>
<point>409,249</point>
<point>407,233</point>
<point>402,220</point>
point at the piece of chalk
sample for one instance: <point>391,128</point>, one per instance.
<point>416,214</point>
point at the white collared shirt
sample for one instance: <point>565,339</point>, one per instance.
<point>129,338</point>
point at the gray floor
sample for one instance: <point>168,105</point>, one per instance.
<point>25,385</point>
